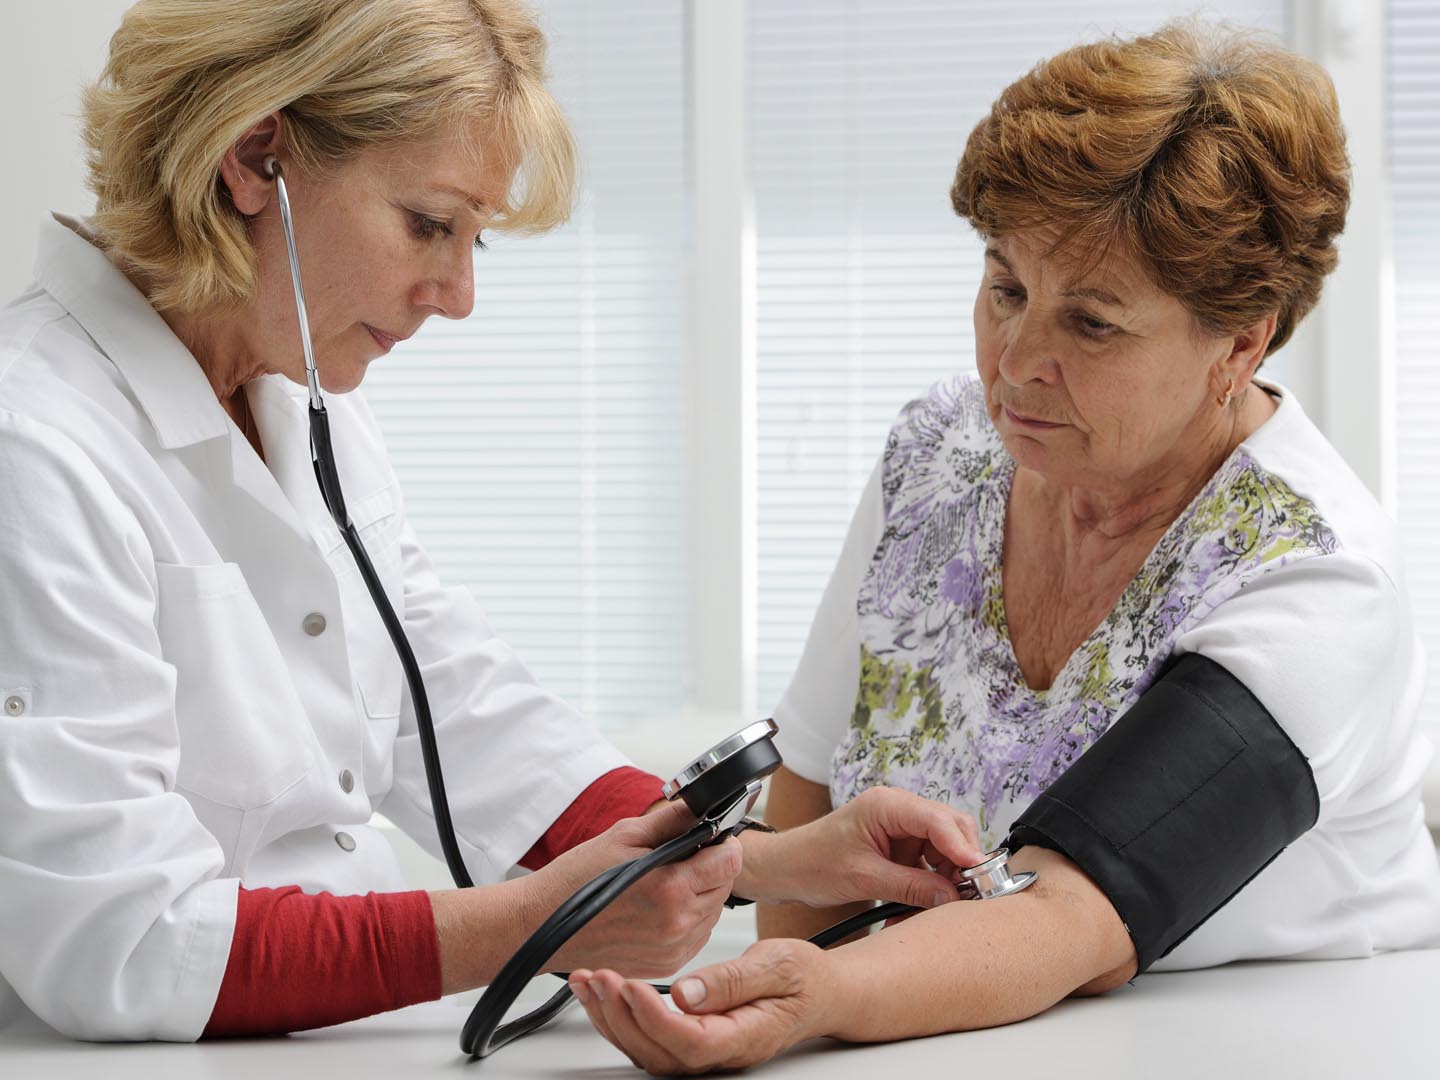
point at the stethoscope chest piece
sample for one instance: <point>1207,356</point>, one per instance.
<point>992,878</point>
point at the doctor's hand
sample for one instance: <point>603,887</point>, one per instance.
<point>886,845</point>
<point>661,921</point>
<point>739,1013</point>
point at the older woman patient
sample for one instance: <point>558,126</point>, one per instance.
<point>1038,546</point>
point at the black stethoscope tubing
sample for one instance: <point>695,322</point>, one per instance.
<point>483,1032</point>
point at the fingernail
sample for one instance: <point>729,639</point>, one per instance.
<point>941,897</point>
<point>581,991</point>
<point>691,992</point>
<point>599,990</point>
<point>627,994</point>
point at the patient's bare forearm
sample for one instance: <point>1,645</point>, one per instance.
<point>976,964</point>
<point>799,921</point>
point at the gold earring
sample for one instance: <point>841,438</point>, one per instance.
<point>1224,399</point>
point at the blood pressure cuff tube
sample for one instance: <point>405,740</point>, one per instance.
<point>1175,808</point>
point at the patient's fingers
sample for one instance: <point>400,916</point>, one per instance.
<point>583,984</point>
<point>622,1028</point>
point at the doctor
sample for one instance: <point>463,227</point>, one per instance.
<point>199,707</point>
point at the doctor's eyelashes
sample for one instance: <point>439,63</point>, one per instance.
<point>425,227</point>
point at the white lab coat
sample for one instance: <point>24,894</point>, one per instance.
<point>195,689</point>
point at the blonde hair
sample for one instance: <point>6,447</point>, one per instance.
<point>1215,156</point>
<point>186,79</point>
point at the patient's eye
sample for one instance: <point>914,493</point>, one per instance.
<point>1005,295</point>
<point>1092,326</point>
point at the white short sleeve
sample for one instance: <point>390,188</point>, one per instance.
<point>816,706</point>
<point>1328,647</point>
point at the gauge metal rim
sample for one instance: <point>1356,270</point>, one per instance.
<point>745,737</point>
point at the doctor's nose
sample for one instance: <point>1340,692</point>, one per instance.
<point>451,292</point>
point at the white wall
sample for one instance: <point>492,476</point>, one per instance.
<point>52,49</point>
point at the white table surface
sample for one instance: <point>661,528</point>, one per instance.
<point>1306,1020</point>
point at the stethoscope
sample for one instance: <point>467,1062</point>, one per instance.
<point>719,786</point>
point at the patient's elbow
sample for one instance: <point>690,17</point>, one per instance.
<point>1116,976</point>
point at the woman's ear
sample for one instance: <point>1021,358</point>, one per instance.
<point>1247,349</point>
<point>242,169</point>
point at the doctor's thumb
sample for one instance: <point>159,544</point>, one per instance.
<point>663,823</point>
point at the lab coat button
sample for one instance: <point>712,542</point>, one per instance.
<point>14,705</point>
<point>314,624</point>
<point>345,840</point>
<point>347,781</point>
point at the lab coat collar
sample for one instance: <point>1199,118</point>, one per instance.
<point>165,377</point>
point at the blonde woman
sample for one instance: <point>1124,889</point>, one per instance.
<point>201,708</point>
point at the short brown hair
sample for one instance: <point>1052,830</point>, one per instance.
<point>186,79</point>
<point>1215,156</point>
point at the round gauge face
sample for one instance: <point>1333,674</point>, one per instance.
<point>722,751</point>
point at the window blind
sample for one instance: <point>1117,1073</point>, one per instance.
<point>1413,47</point>
<point>865,277</point>
<point>539,441</point>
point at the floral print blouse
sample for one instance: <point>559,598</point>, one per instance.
<point>942,708</point>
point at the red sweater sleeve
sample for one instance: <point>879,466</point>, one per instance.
<point>620,793</point>
<point>301,960</point>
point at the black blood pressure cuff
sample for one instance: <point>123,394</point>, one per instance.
<point>1174,809</point>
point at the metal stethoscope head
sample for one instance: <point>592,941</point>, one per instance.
<point>992,878</point>
<point>273,170</point>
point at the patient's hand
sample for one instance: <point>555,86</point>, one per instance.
<point>738,1013</point>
